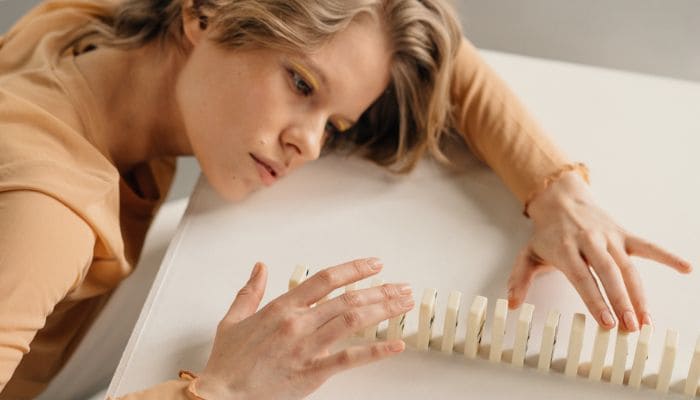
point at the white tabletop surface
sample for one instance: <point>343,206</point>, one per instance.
<point>640,135</point>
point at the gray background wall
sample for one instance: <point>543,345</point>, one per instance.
<point>660,37</point>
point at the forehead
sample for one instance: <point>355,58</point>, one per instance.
<point>356,63</point>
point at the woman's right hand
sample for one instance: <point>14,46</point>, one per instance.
<point>282,351</point>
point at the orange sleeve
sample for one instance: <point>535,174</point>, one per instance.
<point>183,389</point>
<point>500,130</point>
<point>44,250</point>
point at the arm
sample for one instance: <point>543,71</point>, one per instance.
<point>44,249</point>
<point>499,129</point>
<point>571,232</point>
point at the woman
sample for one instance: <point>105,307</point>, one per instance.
<point>97,98</point>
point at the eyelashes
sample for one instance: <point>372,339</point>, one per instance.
<point>300,84</point>
<point>305,89</point>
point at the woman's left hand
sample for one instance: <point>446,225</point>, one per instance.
<point>571,233</point>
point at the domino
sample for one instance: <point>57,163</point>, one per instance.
<point>498,330</point>
<point>600,348</point>
<point>669,357</point>
<point>371,331</point>
<point>691,383</point>
<point>573,355</point>
<point>426,319</point>
<point>475,326</point>
<point>395,327</point>
<point>620,358</point>
<point>522,334</point>
<point>298,276</point>
<point>549,340</point>
<point>451,321</point>
<point>640,357</point>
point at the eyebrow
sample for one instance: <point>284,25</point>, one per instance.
<point>316,69</point>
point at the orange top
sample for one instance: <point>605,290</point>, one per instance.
<point>72,228</point>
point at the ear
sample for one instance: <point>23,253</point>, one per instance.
<point>193,23</point>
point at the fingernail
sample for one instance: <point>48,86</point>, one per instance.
<point>405,289</point>
<point>375,264</point>
<point>607,318</point>
<point>688,267</point>
<point>256,271</point>
<point>630,321</point>
<point>396,346</point>
<point>646,319</point>
<point>407,302</point>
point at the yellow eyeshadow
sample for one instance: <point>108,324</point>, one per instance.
<point>342,126</point>
<point>306,74</point>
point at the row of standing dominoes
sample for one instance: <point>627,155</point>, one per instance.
<point>476,319</point>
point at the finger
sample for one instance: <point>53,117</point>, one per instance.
<point>323,313</point>
<point>249,297</point>
<point>356,356</point>
<point>581,278</point>
<point>610,276</point>
<point>633,283</point>
<point>641,248</point>
<point>346,323</point>
<point>520,278</point>
<point>325,281</point>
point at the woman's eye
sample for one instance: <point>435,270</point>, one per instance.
<point>300,84</point>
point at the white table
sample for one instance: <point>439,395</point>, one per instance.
<point>639,134</point>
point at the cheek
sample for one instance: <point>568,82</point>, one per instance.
<point>215,142</point>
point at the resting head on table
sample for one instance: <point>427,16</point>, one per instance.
<point>254,89</point>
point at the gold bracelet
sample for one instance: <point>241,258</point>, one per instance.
<point>191,390</point>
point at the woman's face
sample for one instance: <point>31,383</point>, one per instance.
<point>254,116</point>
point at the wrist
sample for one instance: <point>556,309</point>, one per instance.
<point>562,193</point>
<point>210,388</point>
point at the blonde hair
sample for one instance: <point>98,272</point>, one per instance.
<point>412,116</point>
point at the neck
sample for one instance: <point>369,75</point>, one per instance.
<point>135,95</point>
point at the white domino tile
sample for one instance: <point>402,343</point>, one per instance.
<point>395,327</point>
<point>691,383</point>
<point>498,330</point>
<point>620,358</point>
<point>451,321</point>
<point>426,319</point>
<point>522,334</point>
<point>600,349</point>
<point>573,355</point>
<point>667,359</point>
<point>549,340</point>
<point>475,326</point>
<point>371,331</point>
<point>300,273</point>
<point>640,357</point>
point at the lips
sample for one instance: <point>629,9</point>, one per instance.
<point>268,174</point>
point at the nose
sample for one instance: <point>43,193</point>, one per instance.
<point>303,140</point>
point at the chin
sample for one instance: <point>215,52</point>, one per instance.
<point>233,195</point>
<point>231,191</point>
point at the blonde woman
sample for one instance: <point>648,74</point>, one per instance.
<point>97,98</point>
